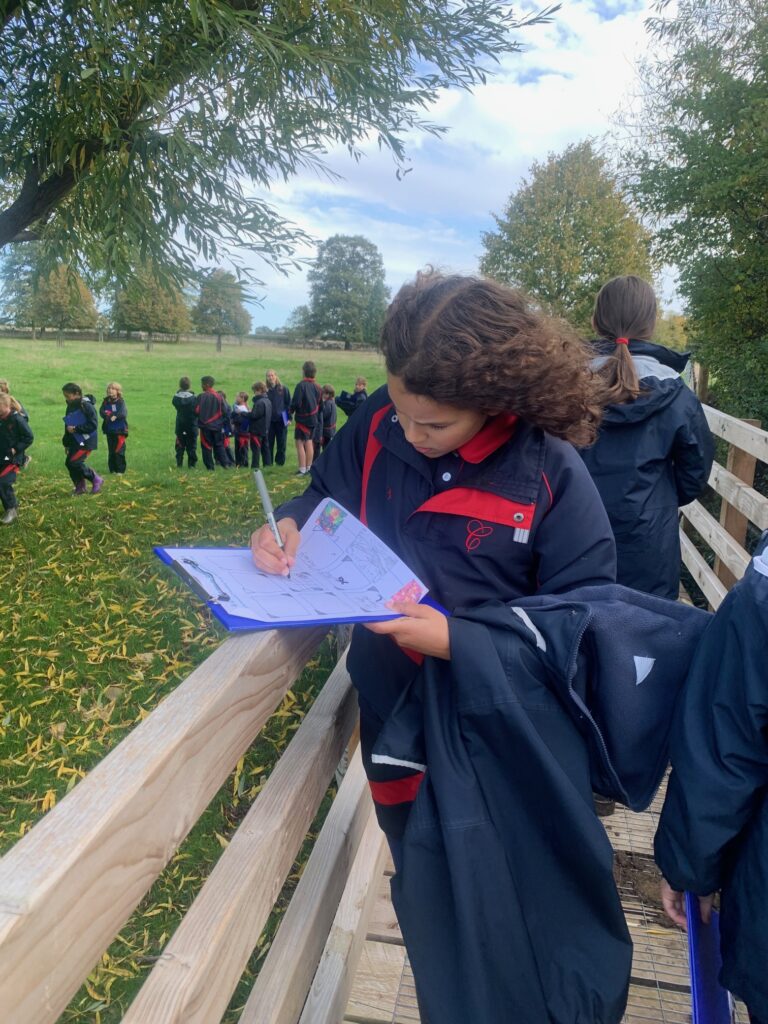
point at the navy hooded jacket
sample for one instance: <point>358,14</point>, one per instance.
<point>512,513</point>
<point>651,456</point>
<point>713,832</point>
<point>82,416</point>
<point>504,891</point>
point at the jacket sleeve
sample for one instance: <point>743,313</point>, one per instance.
<point>103,410</point>
<point>24,437</point>
<point>718,744</point>
<point>574,543</point>
<point>336,474</point>
<point>693,451</point>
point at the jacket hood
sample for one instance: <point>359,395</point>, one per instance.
<point>667,356</point>
<point>617,658</point>
<point>656,395</point>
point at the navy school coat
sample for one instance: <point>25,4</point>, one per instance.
<point>504,892</point>
<point>713,832</point>
<point>513,513</point>
<point>651,456</point>
<point>82,416</point>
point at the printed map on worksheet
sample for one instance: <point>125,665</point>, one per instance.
<point>343,573</point>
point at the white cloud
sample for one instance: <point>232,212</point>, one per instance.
<point>565,85</point>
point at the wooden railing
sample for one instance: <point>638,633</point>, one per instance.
<point>71,883</point>
<point>741,504</point>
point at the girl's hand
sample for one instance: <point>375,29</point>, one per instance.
<point>674,905</point>
<point>422,628</point>
<point>266,552</point>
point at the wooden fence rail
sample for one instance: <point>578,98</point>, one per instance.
<point>70,884</point>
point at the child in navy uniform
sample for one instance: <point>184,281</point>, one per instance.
<point>15,438</point>
<point>184,402</point>
<point>713,829</point>
<point>479,490</point>
<point>261,415</point>
<point>241,424</point>
<point>81,437</point>
<point>114,415</point>
<point>280,400</point>
<point>305,407</point>
<point>350,403</point>
<point>227,428</point>
<point>654,450</point>
<point>210,417</point>
<point>327,416</point>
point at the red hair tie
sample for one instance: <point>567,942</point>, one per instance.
<point>622,341</point>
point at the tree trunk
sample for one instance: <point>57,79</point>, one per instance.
<point>60,338</point>
<point>347,345</point>
<point>218,343</point>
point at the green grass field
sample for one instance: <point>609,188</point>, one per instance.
<point>94,631</point>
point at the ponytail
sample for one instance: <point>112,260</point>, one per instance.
<point>625,308</point>
<point>621,383</point>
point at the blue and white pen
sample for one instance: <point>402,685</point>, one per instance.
<point>269,512</point>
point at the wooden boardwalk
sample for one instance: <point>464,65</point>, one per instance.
<point>383,991</point>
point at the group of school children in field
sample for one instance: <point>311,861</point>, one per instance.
<point>259,432</point>
<point>522,473</point>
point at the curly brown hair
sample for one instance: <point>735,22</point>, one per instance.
<point>468,341</point>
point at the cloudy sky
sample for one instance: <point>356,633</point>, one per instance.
<point>566,85</point>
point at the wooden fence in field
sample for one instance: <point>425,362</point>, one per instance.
<point>70,884</point>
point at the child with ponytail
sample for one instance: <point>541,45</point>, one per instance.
<point>654,449</point>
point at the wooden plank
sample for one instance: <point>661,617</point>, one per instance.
<point>732,555</point>
<point>333,980</point>
<point>81,871</point>
<point>746,499</point>
<point>709,584</point>
<point>281,988</point>
<point>376,984</point>
<point>383,925</point>
<point>734,431</point>
<point>194,978</point>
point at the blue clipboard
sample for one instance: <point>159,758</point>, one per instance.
<point>236,623</point>
<point>710,1002</point>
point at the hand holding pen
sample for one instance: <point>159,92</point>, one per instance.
<point>273,547</point>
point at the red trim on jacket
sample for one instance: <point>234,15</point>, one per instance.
<point>372,449</point>
<point>491,508</point>
<point>399,791</point>
<point>13,468</point>
<point>495,432</point>
<point>549,490</point>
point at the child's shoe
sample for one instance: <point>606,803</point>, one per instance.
<point>97,483</point>
<point>9,516</point>
<point>79,487</point>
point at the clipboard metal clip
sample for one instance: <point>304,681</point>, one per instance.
<point>198,587</point>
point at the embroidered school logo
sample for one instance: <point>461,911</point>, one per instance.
<point>476,531</point>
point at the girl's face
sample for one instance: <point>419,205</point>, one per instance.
<point>433,429</point>
<point>112,391</point>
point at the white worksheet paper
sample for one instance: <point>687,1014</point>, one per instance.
<point>342,572</point>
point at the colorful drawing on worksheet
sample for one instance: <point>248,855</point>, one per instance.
<point>412,591</point>
<point>331,518</point>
